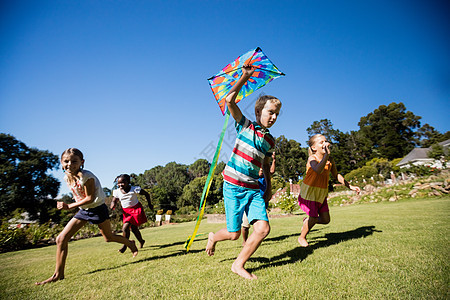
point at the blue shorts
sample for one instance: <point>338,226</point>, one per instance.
<point>239,199</point>
<point>94,215</point>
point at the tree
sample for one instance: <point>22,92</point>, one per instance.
<point>169,180</point>
<point>429,136</point>
<point>278,183</point>
<point>290,159</point>
<point>219,168</point>
<point>350,151</point>
<point>390,130</point>
<point>437,152</point>
<point>149,178</point>
<point>325,128</point>
<point>199,168</point>
<point>192,193</point>
<point>24,181</point>
<point>160,197</point>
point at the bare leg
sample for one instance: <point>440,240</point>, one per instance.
<point>260,230</point>
<point>126,234</point>
<point>324,218</point>
<point>62,244</point>
<point>245,231</point>
<point>221,235</point>
<point>138,235</point>
<point>308,223</point>
<point>105,229</point>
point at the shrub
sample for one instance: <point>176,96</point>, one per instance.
<point>187,210</point>
<point>218,208</point>
<point>421,170</point>
<point>287,202</point>
<point>12,239</point>
<point>360,173</point>
<point>183,218</point>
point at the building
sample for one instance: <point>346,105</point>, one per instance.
<point>419,157</point>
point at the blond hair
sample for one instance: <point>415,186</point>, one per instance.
<point>312,141</point>
<point>262,100</point>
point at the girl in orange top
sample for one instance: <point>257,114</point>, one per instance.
<point>314,188</point>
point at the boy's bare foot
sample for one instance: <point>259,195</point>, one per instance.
<point>142,244</point>
<point>302,242</point>
<point>211,245</point>
<point>242,272</point>
<point>51,279</point>
<point>123,249</point>
<point>133,248</point>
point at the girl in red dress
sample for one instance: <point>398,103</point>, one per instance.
<point>133,211</point>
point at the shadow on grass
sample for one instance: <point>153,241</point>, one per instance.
<point>147,248</point>
<point>179,243</point>
<point>284,237</point>
<point>138,261</point>
<point>300,253</point>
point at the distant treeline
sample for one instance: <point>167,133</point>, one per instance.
<point>385,136</point>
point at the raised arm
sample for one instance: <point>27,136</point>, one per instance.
<point>319,166</point>
<point>230,99</point>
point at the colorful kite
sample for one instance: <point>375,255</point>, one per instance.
<point>222,82</point>
<point>220,85</point>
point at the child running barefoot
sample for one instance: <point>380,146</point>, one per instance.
<point>252,151</point>
<point>133,211</point>
<point>90,198</point>
<point>314,188</point>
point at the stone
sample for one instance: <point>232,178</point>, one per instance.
<point>414,191</point>
<point>369,188</point>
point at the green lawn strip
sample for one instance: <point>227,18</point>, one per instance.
<point>392,250</point>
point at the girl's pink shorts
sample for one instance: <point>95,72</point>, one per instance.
<point>313,208</point>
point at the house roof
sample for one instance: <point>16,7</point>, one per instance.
<point>420,154</point>
<point>415,154</point>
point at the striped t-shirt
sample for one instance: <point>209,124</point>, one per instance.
<point>253,143</point>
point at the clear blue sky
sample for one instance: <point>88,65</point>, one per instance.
<point>125,81</point>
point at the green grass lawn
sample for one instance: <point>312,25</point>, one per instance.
<point>389,250</point>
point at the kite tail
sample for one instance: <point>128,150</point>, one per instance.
<point>191,238</point>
